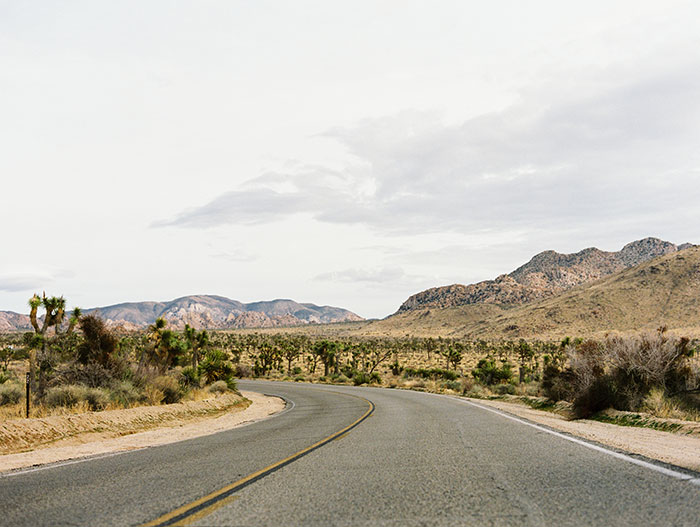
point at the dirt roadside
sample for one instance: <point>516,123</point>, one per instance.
<point>66,439</point>
<point>676,449</point>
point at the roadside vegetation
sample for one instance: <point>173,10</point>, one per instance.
<point>652,373</point>
<point>77,363</point>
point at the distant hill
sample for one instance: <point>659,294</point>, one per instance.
<point>662,291</point>
<point>217,312</point>
<point>10,321</point>
<point>547,274</point>
<point>205,311</point>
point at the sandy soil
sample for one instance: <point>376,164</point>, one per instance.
<point>676,449</point>
<point>100,433</point>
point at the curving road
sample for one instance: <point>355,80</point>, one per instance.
<point>358,456</point>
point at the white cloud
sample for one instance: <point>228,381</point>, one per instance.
<point>238,256</point>
<point>30,282</point>
<point>373,276</point>
<point>622,154</point>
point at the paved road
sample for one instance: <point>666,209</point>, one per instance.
<point>417,459</point>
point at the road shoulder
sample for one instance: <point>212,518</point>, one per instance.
<point>90,444</point>
<point>667,447</point>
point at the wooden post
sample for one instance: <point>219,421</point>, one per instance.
<point>28,393</point>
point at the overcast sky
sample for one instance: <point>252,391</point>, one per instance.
<point>348,153</point>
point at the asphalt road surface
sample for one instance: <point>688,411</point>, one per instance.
<point>358,456</point>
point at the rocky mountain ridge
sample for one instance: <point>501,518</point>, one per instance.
<point>204,311</point>
<point>661,292</point>
<point>547,274</point>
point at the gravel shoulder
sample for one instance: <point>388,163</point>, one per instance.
<point>27,443</point>
<point>668,447</point>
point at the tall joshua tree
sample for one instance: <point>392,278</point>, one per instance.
<point>55,313</point>
<point>196,342</point>
<point>55,307</point>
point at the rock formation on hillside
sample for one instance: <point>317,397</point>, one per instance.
<point>661,292</point>
<point>216,312</point>
<point>546,274</point>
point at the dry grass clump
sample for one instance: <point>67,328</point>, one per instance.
<point>628,373</point>
<point>478,391</point>
<point>70,395</point>
<point>126,395</point>
<point>412,383</point>
<point>659,404</point>
<point>219,387</point>
<point>10,393</point>
<point>172,390</point>
<point>529,389</point>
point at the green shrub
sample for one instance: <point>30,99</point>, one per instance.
<point>67,395</point>
<point>365,378</point>
<point>300,378</point>
<point>487,372</point>
<point>172,391</point>
<point>10,393</point>
<point>348,371</point>
<point>219,387</point>
<point>189,377</point>
<point>97,398</point>
<point>216,367</point>
<point>360,378</point>
<point>5,376</point>
<point>504,389</point>
<point>455,386</point>
<point>126,394</point>
<point>296,370</point>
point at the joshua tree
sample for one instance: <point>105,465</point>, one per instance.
<point>166,344</point>
<point>196,341</point>
<point>526,355</point>
<point>99,343</point>
<point>453,355</point>
<point>74,319</point>
<point>291,350</point>
<point>326,350</point>
<point>55,312</point>
<point>55,308</point>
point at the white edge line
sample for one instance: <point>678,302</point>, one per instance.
<point>289,404</point>
<point>21,471</point>
<point>667,471</point>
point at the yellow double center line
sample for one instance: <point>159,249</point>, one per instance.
<point>205,505</point>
